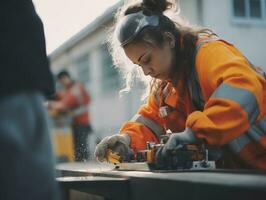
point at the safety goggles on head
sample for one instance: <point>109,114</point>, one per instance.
<point>129,27</point>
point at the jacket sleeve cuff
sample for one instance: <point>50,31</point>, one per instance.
<point>126,138</point>
<point>190,135</point>
<point>196,121</point>
<point>138,134</point>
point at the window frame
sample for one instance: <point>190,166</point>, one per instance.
<point>247,20</point>
<point>85,57</point>
<point>106,82</point>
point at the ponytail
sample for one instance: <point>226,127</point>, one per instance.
<point>156,6</point>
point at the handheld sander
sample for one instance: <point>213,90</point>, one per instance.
<point>184,157</point>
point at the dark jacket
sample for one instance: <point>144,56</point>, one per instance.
<point>23,61</point>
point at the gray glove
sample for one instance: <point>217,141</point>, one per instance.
<point>118,143</point>
<point>185,137</point>
<point>163,155</point>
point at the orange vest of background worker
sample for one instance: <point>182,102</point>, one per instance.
<point>203,90</point>
<point>74,101</point>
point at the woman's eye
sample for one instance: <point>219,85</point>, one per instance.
<point>146,60</point>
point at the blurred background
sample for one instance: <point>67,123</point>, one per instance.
<point>76,32</point>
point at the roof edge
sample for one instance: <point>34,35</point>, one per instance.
<point>107,15</point>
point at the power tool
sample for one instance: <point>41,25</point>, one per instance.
<point>184,157</point>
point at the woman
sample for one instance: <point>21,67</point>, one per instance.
<point>202,89</point>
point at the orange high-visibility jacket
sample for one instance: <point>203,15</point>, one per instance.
<point>76,99</point>
<point>234,112</point>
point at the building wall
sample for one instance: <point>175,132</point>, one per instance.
<point>249,38</point>
<point>191,11</point>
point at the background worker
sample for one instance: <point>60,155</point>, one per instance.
<point>202,89</point>
<point>74,100</point>
<point>27,162</point>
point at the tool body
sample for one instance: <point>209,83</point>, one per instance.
<point>184,157</point>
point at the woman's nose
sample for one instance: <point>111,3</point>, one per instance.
<point>146,70</point>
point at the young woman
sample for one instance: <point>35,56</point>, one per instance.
<point>202,89</point>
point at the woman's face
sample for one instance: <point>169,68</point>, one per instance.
<point>155,61</point>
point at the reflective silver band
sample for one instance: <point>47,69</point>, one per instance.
<point>158,98</point>
<point>76,91</point>
<point>239,143</point>
<point>165,93</point>
<point>79,110</point>
<point>206,40</point>
<point>254,133</point>
<point>155,128</point>
<point>241,96</point>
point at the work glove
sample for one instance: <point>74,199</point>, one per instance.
<point>118,143</point>
<point>175,141</point>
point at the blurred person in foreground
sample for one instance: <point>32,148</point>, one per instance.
<point>73,100</point>
<point>202,89</point>
<point>26,158</point>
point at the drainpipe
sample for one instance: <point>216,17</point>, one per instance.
<point>200,12</point>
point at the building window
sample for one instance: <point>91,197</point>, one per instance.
<point>110,75</point>
<point>249,11</point>
<point>83,70</point>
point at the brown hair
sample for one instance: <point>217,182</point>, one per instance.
<point>175,25</point>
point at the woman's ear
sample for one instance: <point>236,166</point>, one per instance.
<point>170,39</point>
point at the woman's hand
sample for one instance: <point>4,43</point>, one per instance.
<point>118,143</point>
<point>164,154</point>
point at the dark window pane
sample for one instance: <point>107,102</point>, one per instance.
<point>265,8</point>
<point>110,74</point>
<point>255,8</point>
<point>239,8</point>
<point>82,65</point>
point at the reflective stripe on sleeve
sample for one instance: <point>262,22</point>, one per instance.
<point>239,143</point>
<point>76,91</point>
<point>241,96</point>
<point>253,134</point>
<point>79,110</point>
<point>164,92</point>
<point>156,128</point>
